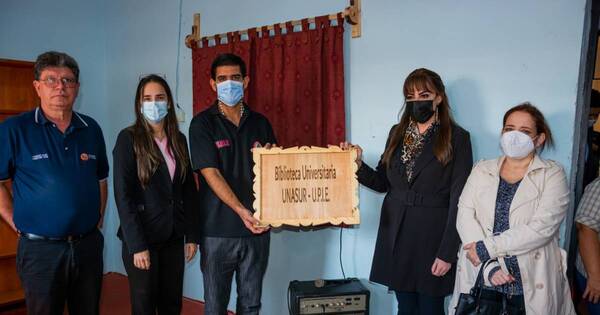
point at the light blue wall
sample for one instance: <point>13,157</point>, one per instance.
<point>491,55</point>
<point>28,28</point>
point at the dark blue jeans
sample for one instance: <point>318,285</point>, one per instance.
<point>413,303</point>
<point>57,272</point>
<point>593,309</point>
<point>220,259</point>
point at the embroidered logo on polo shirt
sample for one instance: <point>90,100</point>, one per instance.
<point>85,157</point>
<point>39,156</point>
<point>222,143</point>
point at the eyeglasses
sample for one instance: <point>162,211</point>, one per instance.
<point>52,82</point>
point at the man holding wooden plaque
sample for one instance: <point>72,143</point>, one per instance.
<point>221,142</point>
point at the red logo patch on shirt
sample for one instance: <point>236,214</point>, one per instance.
<point>87,156</point>
<point>222,143</point>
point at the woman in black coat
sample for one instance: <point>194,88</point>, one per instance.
<point>156,196</point>
<point>426,162</point>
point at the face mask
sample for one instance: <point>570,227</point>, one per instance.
<point>154,111</point>
<point>516,144</point>
<point>420,111</point>
<point>230,92</point>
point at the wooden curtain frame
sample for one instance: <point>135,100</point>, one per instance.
<point>352,16</point>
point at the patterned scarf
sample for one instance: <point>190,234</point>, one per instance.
<point>413,145</point>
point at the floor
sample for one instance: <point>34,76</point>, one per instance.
<point>115,299</point>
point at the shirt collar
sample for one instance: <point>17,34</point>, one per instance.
<point>77,121</point>
<point>40,118</point>
<point>214,109</point>
<point>537,163</point>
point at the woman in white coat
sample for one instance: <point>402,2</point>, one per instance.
<point>510,211</point>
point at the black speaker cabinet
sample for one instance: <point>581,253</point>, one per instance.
<point>343,296</point>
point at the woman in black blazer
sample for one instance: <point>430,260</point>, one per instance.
<point>426,162</point>
<point>156,196</point>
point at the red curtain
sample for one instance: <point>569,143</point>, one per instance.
<point>296,79</point>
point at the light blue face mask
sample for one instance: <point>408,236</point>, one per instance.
<point>154,111</point>
<point>230,92</point>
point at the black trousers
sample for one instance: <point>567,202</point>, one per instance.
<point>413,303</point>
<point>220,259</point>
<point>57,272</point>
<point>160,288</point>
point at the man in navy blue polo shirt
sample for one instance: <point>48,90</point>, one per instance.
<point>56,160</point>
<point>221,140</point>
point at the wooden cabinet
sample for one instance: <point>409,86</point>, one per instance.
<point>16,87</point>
<point>10,286</point>
<point>16,96</point>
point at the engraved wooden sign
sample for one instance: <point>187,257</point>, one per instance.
<point>303,186</point>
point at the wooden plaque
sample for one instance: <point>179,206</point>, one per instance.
<point>304,186</point>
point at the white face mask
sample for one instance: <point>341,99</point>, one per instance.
<point>154,111</point>
<point>516,144</point>
<point>230,92</point>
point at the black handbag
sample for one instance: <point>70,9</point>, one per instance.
<point>486,301</point>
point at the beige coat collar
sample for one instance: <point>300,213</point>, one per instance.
<point>536,163</point>
<point>528,189</point>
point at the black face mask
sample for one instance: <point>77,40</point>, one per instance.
<point>420,111</point>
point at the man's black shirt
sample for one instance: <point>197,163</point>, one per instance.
<point>215,142</point>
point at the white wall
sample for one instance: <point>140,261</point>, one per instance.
<point>491,55</point>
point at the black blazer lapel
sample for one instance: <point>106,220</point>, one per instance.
<point>424,158</point>
<point>177,175</point>
<point>165,177</point>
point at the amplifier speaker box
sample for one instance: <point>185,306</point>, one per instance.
<point>340,296</point>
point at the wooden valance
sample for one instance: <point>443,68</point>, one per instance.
<point>352,16</point>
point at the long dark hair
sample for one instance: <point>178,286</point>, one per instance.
<point>147,153</point>
<point>424,79</point>
<point>541,125</point>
